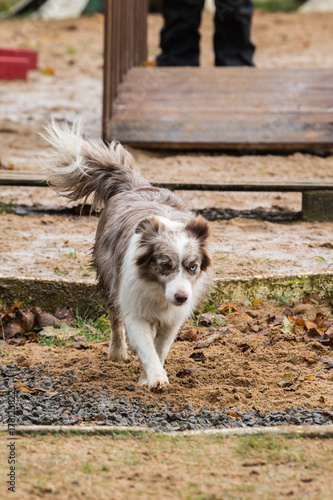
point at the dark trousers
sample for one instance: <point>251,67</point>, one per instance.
<point>180,34</point>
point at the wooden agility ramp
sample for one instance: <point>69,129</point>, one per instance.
<point>242,109</point>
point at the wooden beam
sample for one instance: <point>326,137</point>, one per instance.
<point>10,178</point>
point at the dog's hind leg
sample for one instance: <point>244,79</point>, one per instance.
<point>117,346</point>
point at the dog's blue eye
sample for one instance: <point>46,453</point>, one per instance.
<point>193,267</point>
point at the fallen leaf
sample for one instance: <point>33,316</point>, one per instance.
<point>327,338</point>
<point>44,319</point>
<point>288,312</point>
<point>322,321</point>
<point>311,298</point>
<point>254,328</point>
<point>198,356</point>
<point>328,362</point>
<point>190,335</point>
<point>288,326</point>
<point>81,343</point>
<point>256,302</point>
<point>286,380</point>
<point>187,372</point>
<point>206,319</point>
<point>307,377</point>
<point>313,333</point>
<point>23,388</point>
<point>274,320</point>
<point>31,337</point>
<point>8,315</point>
<point>293,387</point>
<point>12,329</point>
<point>17,341</point>
<point>47,391</point>
<point>328,414</point>
<point>245,347</point>
<point>91,328</point>
<point>48,71</point>
<point>65,315</point>
<point>205,343</point>
<point>298,321</point>
<point>309,360</point>
<point>99,418</point>
<point>227,308</point>
<point>234,414</point>
<point>309,325</point>
<point>65,332</point>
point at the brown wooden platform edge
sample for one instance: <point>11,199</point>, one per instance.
<point>317,197</point>
<point>274,148</point>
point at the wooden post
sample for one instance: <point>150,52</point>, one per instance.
<point>125,45</point>
<point>107,71</point>
<point>317,206</point>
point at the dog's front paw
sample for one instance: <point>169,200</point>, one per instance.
<point>143,379</point>
<point>159,384</point>
<point>159,387</point>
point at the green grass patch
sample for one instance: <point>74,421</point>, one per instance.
<point>7,4</point>
<point>94,329</point>
<point>70,49</point>
<point>278,5</point>
<point>4,207</point>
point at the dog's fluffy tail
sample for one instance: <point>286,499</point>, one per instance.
<point>78,168</point>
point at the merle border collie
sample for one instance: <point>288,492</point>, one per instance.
<point>150,251</point>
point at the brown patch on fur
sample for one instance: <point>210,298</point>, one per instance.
<point>199,228</point>
<point>150,227</point>
<point>157,252</point>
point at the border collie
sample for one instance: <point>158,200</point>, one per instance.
<point>150,252</point>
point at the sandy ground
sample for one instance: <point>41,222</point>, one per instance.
<point>72,51</point>
<point>257,360</point>
<point>164,467</point>
<point>54,247</point>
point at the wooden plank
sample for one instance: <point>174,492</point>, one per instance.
<point>225,108</point>
<point>11,178</point>
<point>108,93</point>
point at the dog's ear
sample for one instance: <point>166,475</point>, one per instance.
<point>149,225</point>
<point>148,228</point>
<point>198,228</point>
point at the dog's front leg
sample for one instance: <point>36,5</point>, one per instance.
<point>141,337</point>
<point>165,336</point>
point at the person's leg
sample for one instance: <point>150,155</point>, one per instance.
<point>179,35</point>
<point>232,43</point>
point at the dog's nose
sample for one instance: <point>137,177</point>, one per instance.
<point>181,298</point>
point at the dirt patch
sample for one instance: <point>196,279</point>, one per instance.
<point>165,467</point>
<point>57,247</point>
<point>254,362</point>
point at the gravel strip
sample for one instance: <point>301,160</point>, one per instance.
<point>47,406</point>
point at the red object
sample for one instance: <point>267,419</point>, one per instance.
<point>29,54</point>
<point>15,63</point>
<point>13,68</point>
